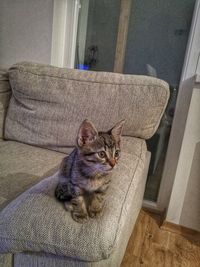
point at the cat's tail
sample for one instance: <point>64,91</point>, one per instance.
<point>62,192</point>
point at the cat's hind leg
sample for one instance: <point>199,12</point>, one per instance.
<point>79,210</point>
<point>96,202</point>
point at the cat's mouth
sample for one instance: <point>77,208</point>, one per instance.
<point>110,169</point>
<point>107,170</point>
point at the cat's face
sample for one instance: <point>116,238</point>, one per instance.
<point>99,150</point>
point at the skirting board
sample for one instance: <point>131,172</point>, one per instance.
<point>181,230</point>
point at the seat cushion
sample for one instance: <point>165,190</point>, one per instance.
<point>48,102</point>
<point>23,165</point>
<point>37,222</point>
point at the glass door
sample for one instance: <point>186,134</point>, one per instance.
<point>155,45</point>
<point>97,34</point>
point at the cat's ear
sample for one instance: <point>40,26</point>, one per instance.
<point>87,133</point>
<point>116,131</point>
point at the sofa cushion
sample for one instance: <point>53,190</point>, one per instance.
<point>24,259</point>
<point>48,103</point>
<point>23,165</point>
<point>37,222</point>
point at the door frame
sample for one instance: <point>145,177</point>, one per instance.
<point>190,68</point>
<point>64,32</point>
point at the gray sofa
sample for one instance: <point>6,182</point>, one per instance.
<point>39,119</point>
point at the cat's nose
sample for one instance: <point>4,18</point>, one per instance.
<point>112,162</point>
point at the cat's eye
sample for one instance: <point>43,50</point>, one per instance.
<point>117,153</point>
<point>102,154</point>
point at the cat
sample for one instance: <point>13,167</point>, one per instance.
<point>84,174</point>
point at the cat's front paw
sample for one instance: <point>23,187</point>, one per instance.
<point>94,212</point>
<point>79,217</point>
<point>68,206</point>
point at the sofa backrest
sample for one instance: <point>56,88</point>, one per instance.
<point>5,93</point>
<point>48,103</point>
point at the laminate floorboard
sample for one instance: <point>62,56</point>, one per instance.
<point>152,246</point>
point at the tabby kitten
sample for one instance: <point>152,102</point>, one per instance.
<point>83,176</point>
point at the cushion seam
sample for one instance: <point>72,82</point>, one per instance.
<point>79,80</point>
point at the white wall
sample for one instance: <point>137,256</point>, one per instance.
<point>184,148</point>
<point>190,215</point>
<point>190,68</point>
<point>184,206</point>
<point>25,31</point>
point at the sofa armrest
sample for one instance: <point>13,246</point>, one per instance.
<point>5,93</point>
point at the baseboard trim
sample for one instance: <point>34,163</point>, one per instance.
<point>151,206</point>
<point>181,230</point>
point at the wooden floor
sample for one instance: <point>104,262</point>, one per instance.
<point>151,246</point>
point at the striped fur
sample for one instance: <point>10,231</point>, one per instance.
<point>84,174</point>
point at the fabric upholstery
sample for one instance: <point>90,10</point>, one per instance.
<point>48,103</point>
<point>6,260</point>
<point>31,259</point>
<point>5,93</point>
<point>37,222</point>
<point>23,165</point>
